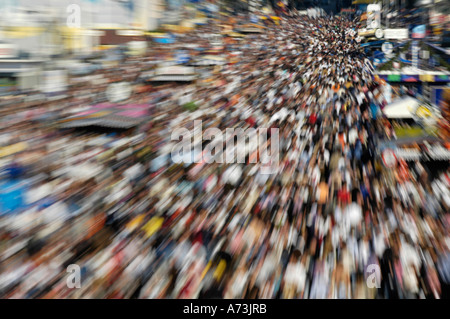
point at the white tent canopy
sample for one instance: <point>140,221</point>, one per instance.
<point>402,108</point>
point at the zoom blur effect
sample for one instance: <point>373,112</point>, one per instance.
<point>93,203</point>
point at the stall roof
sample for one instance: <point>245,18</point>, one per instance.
<point>173,78</point>
<point>108,115</point>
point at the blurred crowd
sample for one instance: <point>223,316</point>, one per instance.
<point>141,226</point>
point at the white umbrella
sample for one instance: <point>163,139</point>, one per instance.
<point>354,214</point>
<point>402,108</point>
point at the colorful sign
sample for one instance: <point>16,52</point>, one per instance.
<point>441,78</point>
<point>394,77</point>
<point>409,78</point>
<point>426,77</point>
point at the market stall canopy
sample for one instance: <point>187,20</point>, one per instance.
<point>402,108</point>
<point>171,73</point>
<point>109,115</point>
<point>209,60</point>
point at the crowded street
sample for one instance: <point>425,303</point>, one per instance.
<point>329,221</point>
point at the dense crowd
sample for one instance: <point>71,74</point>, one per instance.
<point>141,226</point>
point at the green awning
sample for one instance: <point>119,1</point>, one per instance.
<point>394,77</point>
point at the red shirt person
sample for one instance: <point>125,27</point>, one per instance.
<point>343,194</point>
